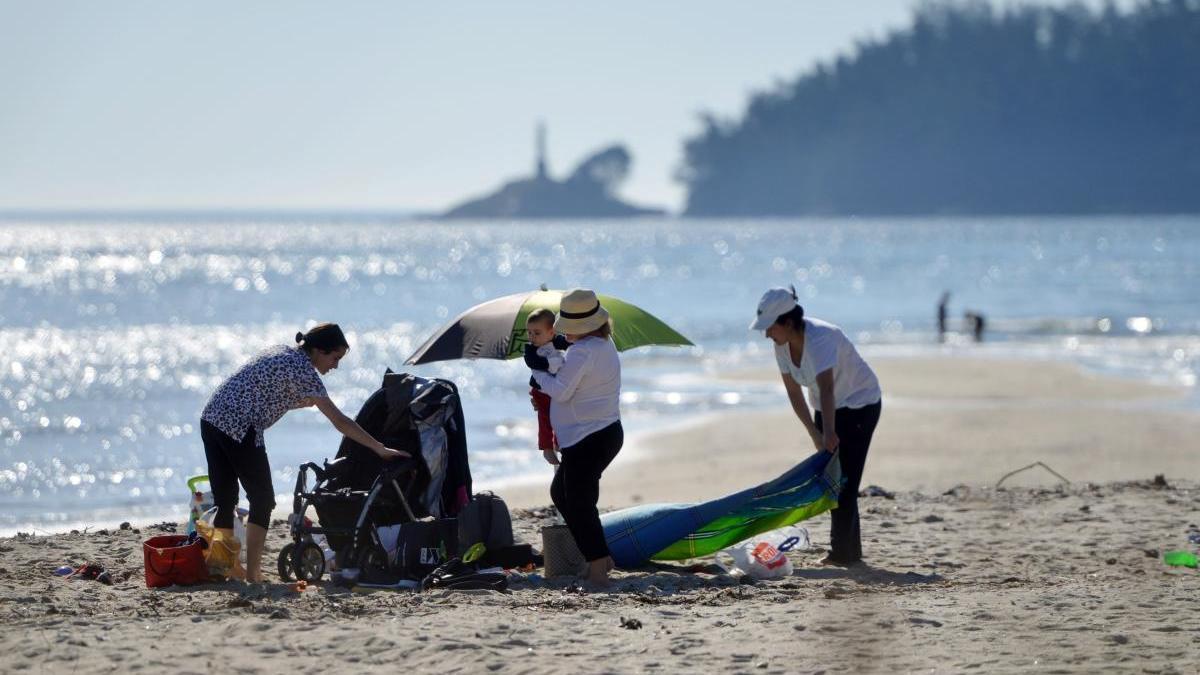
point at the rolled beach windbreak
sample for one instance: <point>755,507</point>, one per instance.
<point>681,531</point>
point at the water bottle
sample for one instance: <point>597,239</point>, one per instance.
<point>330,556</point>
<point>201,501</point>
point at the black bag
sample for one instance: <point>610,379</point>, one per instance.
<point>423,545</point>
<point>511,557</point>
<point>456,574</point>
<point>485,519</point>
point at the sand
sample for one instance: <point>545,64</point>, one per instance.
<point>944,423</point>
<point>959,575</point>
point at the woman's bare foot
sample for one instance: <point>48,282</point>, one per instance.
<point>597,574</point>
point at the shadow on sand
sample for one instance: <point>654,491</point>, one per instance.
<point>867,575</point>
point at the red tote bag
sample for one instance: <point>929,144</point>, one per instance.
<point>170,560</point>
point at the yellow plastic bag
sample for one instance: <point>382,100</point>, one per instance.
<point>223,554</point>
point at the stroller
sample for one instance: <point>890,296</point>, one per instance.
<point>357,493</point>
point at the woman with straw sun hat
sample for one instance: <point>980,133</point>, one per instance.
<point>585,413</point>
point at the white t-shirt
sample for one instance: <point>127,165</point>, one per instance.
<point>825,347</point>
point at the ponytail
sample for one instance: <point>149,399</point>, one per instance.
<point>326,337</point>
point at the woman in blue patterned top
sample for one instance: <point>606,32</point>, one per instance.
<point>278,379</point>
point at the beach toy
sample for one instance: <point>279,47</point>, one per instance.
<point>681,531</point>
<point>200,501</point>
<point>1181,559</point>
<point>65,570</point>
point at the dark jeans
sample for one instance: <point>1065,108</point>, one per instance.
<point>230,461</point>
<point>854,427</point>
<point>576,487</point>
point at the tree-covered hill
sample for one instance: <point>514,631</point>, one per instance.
<point>974,109</point>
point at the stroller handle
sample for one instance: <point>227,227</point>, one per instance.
<point>399,466</point>
<point>317,471</point>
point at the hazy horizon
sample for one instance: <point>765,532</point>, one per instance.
<point>141,106</point>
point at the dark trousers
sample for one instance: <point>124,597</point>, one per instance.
<point>230,461</point>
<point>854,427</point>
<point>576,487</point>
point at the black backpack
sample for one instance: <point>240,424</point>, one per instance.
<point>485,519</point>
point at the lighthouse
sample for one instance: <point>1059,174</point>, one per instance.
<point>540,149</point>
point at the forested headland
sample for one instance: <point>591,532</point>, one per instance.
<point>973,109</point>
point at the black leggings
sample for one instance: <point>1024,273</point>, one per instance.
<point>230,461</point>
<point>576,487</point>
<point>854,427</point>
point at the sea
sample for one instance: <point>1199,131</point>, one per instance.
<point>115,329</point>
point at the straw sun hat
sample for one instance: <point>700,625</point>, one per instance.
<point>580,312</point>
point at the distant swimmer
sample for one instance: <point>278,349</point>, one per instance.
<point>941,315</point>
<point>975,323</point>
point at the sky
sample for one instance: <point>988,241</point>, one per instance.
<point>378,106</point>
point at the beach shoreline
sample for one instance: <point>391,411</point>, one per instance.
<point>945,422</point>
<point>961,383</point>
<point>959,574</point>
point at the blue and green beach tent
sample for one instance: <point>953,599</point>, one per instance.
<point>681,531</point>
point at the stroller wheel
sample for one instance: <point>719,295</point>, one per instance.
<point>285,562</point>
<point>308,560</point>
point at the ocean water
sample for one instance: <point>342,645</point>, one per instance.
<point>113,331</point>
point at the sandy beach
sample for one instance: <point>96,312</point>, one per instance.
<point>945,422</point>
<point>960,575</point>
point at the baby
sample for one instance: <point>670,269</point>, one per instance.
<point>543,352</point>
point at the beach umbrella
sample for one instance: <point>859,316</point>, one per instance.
<point>496,329</point>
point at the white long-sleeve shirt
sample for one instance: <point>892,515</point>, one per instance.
<point>585,394</point>
<point>553,356</point>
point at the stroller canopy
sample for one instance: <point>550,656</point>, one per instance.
<point>424,418</point>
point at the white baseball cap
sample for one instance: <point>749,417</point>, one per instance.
<point>774,303</point>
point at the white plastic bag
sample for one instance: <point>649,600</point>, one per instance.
<point>239,524</point>
<point>389,538</point>
<point>764,556</point>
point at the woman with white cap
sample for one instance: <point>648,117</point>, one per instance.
<point>845,398</point>
<point>585,413</point>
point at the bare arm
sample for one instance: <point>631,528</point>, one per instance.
<point>800,407</point>
<point>350,429</point>
<point>828,410</point>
